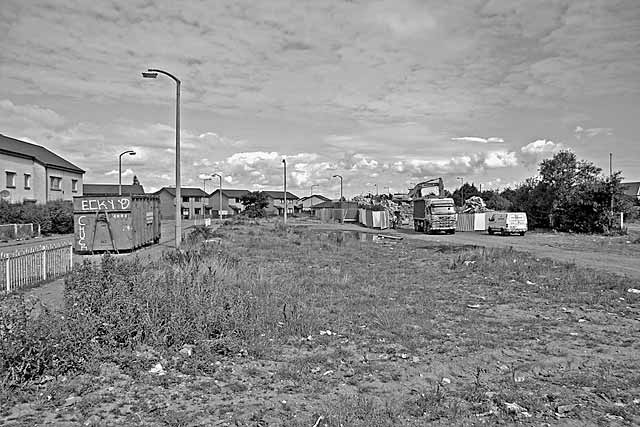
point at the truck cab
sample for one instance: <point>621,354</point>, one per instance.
<point>507,223</point>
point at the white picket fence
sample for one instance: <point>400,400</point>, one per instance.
<point>33,265</point>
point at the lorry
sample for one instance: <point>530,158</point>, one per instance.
<point>507,223</point>
<point>432,211</point>
<point>434,214</point>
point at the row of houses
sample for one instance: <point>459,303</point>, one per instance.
<point>33,174</point>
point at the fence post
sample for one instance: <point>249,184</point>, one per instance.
<point>15,231</point>
<point>6,270</point>
<point>44,264</point>
<point>70,257</point>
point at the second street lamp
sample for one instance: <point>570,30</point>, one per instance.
<point>339,176</point>
<point>284,163</point>
<point>461,179</point>
<point>220,195</point>
<point>152,73</point>
<point>131,153</point>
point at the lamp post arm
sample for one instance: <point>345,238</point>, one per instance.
<point>156,70</point>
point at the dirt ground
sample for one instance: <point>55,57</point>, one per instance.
<point>618,255</point>
<point>415,332</point>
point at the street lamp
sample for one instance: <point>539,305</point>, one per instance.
<point>339,176</point>
<point>152,73</point>
<point>204,184</point>
<point>313,185</point>
<point>131,153</point>
<point>376,185</point>
<point>284,163</point>
<point>461,189</point>
<point>220,190</point>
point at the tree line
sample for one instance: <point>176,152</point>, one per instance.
<point>569,194</point>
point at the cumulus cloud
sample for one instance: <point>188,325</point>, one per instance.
<point>539,149</point>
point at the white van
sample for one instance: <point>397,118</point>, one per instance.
<point>507,223</point>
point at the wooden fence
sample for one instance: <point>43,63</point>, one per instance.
<point>34,265</point>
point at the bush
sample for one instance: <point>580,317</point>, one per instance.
<point>53,217</point>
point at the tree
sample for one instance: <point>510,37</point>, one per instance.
<point>495,201</point>
<point>255,202</point>
<point>569,195</point>
<point>135,180</point>
<point>468,190</point>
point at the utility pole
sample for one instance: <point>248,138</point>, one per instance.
<point>611,184</point>
<point>284,163</point>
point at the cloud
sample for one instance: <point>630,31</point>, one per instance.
<point>126,172</point>
<point>492,139</point>
<point>581,132</point>
<point>31,114</point>
<point>538,150</point>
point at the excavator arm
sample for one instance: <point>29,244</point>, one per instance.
<point>416,192</point>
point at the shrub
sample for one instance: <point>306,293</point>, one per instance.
<point>54,217</point>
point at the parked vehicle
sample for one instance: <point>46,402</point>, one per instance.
<point>434,214</point>
<point>507,223</point>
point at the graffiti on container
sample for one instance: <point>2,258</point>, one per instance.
<point>81,233</point>
<point>108,204</point>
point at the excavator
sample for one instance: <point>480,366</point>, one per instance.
<point>432,213</point>
<point>416,192</point>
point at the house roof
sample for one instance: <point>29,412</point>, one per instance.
<point>631,188</point>
<point>110,189</point>
<point>235,194</point>
<point>184,191</point>
<point>317,196</point>
<point>279,195</point>
<point>35,152</point>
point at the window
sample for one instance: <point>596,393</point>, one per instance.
<point>196,199</point>
<point>74,185</point>
<point>196,211</point>
<point>185,200</point>
<point>27,181</point>
<point>55,183</point>
<point>11,180</point>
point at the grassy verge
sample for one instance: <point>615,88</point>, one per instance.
<point>261,325</point>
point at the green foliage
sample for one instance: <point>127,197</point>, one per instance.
<point>468,190</point>
<point>255,202</point>
<point>569,195</point>
<point>53,217</point>
<point>495,201</point>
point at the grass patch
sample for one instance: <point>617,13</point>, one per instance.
<point>355,332</point>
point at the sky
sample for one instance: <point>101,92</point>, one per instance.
<point>385,93</point>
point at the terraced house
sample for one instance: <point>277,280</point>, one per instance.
<point>194,204</point>
<point>32,173</point>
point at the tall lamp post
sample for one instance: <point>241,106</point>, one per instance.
<point>204,184</point>
<point>131,153</point>
<point>284,163</point>
<point>376,185</point>
<point>313,185</point>
<point>152,73</point>
<point>461,179</point>
<point>339,176</point>
<point>220,191</point>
